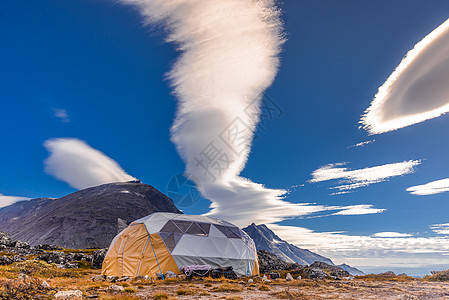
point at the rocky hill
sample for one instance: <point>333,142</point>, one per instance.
<point>89,218</point>
<point>267,240</point>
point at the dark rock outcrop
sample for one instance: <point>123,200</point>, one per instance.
<point>265,239</point>
<point>269,262</point>
<point>89,218</point>
<point>98,257</point>
<point>333,271</point>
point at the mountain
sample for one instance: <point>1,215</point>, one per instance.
<point>265,239</point>
<point>351,270</point>
<point>88,218</point>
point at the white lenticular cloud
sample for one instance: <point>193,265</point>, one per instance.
<point>8,200</point>
<point>81,166</point>
<point>431,188</point>
<point>417,90</point>
<point>391,234</point>
<point>228,56</point>
<point>353,179</point>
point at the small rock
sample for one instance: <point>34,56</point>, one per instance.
<point>5,260</point>
<point>112,278</point>
<point>250,281</point>
<point>169,274</point>
<point>18,258</point>
<point>68,295</point>
<point>20,244</point>
<point>299,277</point>
<point>124,278</point>
<point>22,276</point>
<point>47,247</point>
<point>289,277</point>
<point>182,276</point>
<point>265,279</point>
<point>99,278</point>
<point>45,284</point>
<point>158,275</point>
<point>115,288</point>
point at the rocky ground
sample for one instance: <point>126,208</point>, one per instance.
<point>51,272</point>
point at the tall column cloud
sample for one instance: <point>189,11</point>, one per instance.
<point>229,54</point>
<point>81,166</point>
<point>417,90</point>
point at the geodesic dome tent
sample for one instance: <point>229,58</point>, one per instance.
<point>164,242</point>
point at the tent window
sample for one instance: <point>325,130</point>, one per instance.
<point>235,231</point>
<point>171,227</point>
<point>195,229</point>
<point>183,225</point>
<point>226,230</point>
<point>170,239</point>
<point>205,227</point>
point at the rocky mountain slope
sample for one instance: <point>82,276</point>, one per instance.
<point>265,239</point>
<point>353,271</point>
<point>89,218</point>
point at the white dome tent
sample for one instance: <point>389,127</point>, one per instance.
<point>164,242</point>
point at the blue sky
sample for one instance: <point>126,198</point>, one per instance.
<point>90,70</point>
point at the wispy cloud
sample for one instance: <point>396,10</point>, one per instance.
<point>8,200</point>
<point>385,250</point>
<point>440,228</point>
<point>352,179</point>
<point>81,166</point>
<point>61,114</point>
<point>354,210</point>
<point>431,188</point>
<point>391,234</point>
<point>417,90</point>
<point>361,144</point>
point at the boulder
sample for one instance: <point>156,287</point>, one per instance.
<point>99,278</point>
<point>289,277</point>
<point>111,278</point>
<point>124,278</point>
<point>68,295</point>
<point>314,273</point>
<point>115,288</point>
<point>169,274</point>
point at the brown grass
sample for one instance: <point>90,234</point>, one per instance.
<point>183,292</point>
<point>228,287</point>
<point>297,295</point>
<point>381,277</point>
